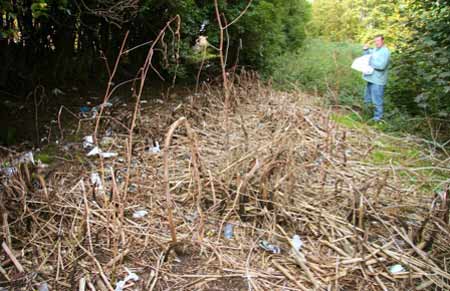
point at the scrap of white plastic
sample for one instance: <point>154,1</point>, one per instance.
<point>43,287</point>
<point>28,157</point>
<point>8,171</point>
<point>297,242</point>
<point>156,149</point>
<point>88,138</point>
<point>203,26</point>
<point>88,141</point>
<point>96,181</point>
<point>42,165</point>
<point>395,269</point>
<point>131,276</point>
<point>57,92</point>
<point>361,64</point>
<point>94,151</point>
<point>201,43</point>
<point>269,247</point>
<point>140,213</point>
<point>108,155</point>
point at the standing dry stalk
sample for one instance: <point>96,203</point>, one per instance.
<point>223,66</point>
<point>265,176</point>
<point>36,109</point>
<point>143,76</point>
<point>380,187</point>
<point>197,80</point>
<point>195,162</point>
<point>108,87</point>
<point>6,230</point>
<point>87,219</point>
<point>337,73</point>
<point>361,212</point>
<point>223,26</point>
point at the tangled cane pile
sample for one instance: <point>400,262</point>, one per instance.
<point>276,167</point>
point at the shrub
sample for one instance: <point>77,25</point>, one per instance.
<point>324,67</point>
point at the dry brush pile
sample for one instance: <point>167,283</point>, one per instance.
<point>279,166</point>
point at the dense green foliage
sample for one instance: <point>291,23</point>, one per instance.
<point>62,40</point>
<point>322,67</point>
<point>272,28</point>
<point>358,20</point>
<point>421,82</point>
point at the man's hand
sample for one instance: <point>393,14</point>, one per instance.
<point>367,45</point>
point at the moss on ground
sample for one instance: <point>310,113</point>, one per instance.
<point>47,155</point>
<point>398,152</point>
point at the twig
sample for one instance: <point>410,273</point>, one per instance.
<point>108,87</point>
<point>12,258</point>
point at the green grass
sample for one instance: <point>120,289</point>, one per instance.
<point>385,150</point>
<point>323,67</point>
<point>348,120</point>
<point>389,149</point>
<point>47,154</point>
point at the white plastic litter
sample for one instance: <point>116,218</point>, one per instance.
<point>26,158</point>
<point>395,269</point>
<point>96,180</point>
<point>203,26</point>
<point>361,64</point>
<point>88,141</point>
<point>97,108</point>
<point>94,151</point>
<point>140,213</point>
<point>297,242</point>
<point>274,249</point>
<point>201,44</point>
<point>131,276</point>
<point>8,171</point>
<point>155,149</point>
<point>57,92</point>
<point>41,165</point>
<point>109,132</point>
<point>228,231</point>
<point>108,155</point>
<point>132,188</point>
<point>43,287</point>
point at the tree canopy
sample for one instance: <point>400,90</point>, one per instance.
<point>422,69</point>
<point>62,40</point>
<point>359,20</point>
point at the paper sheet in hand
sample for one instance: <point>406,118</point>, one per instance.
<point>361,64</point>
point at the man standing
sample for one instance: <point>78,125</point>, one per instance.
<point>376,81</point>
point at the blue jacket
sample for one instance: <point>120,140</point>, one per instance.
<point>380,62</point>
